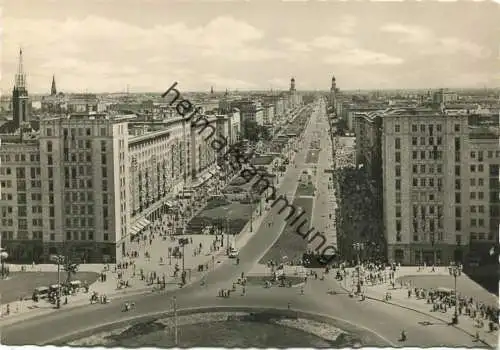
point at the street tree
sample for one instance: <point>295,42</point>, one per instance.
<point>71,269</point>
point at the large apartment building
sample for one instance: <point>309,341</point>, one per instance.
<point>439,182</point>
<point>89,183</point>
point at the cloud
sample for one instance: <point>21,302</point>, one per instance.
<point>332,42</point>
<point>347,24</point>
<point>94,47</point>
<point>358,57</point>
<point>431,44</point>
<point>295,45</point>
<point>409,33</point>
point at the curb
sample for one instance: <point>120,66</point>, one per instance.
<point>43,311</point>
<point>423,313</point>
<point>214,308</point>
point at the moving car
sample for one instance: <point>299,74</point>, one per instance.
<point>233,253</point>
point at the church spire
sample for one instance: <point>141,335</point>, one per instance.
<point>53,90</point>
<point>20,76</point>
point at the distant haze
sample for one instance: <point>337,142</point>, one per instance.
<point>99,46</point>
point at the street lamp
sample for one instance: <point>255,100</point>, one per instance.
<point>455,270</point>
<point>358,247</point>
<point>58,259</point>
<point>251,210</point>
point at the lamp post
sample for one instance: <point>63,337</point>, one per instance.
<point>455,270</point>
<point>358,247</point>
<point>58,259</point>
<point>251,210</point>
<point>176,334</point>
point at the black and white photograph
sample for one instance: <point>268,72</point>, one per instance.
<point>249,174</point>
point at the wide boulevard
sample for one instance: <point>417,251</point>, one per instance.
<point>384,320</point>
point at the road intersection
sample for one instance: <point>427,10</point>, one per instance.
<point>385,320</point>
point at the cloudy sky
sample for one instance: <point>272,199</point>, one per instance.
<point>97,45</point>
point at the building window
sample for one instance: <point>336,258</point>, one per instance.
<point>415,182</point>
<point>457,197</point>
<point>397,128</point>
<point>458,212</point>
<point>458,225</point>
<point>472,208</point>
<point>414,128</point>
<point>398,157</point>
<point>422,128</point>
<point>397,143</point>
<point>415,169</point>
<point>398,170</point>
<point>414,155</point>
<point>473,154</point>
<point>414,141</point>
<point>457,170</point>
<point>457,127</point>
<point>422,155</point>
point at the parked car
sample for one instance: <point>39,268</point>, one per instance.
<point>41,292</point>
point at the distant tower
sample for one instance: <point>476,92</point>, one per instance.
<point>53,90</point>
<point>20,107</point>
<point>211,90</point>
<point>292,85</point>
<point>333,94</point>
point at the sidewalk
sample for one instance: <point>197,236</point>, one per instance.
<point>399,297</point>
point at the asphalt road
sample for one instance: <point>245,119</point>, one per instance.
<point>384,320</point>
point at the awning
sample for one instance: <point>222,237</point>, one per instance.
<point>139,225</point>
<point>202,180</point>
<point>143,222</point>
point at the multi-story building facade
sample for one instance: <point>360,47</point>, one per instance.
<point>444,96</point>
<point>89,185</point>
<point>431,201</point>
<point>268,116</point>
<point>250,110</point>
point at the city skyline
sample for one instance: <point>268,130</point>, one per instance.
<point>249,46</point>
